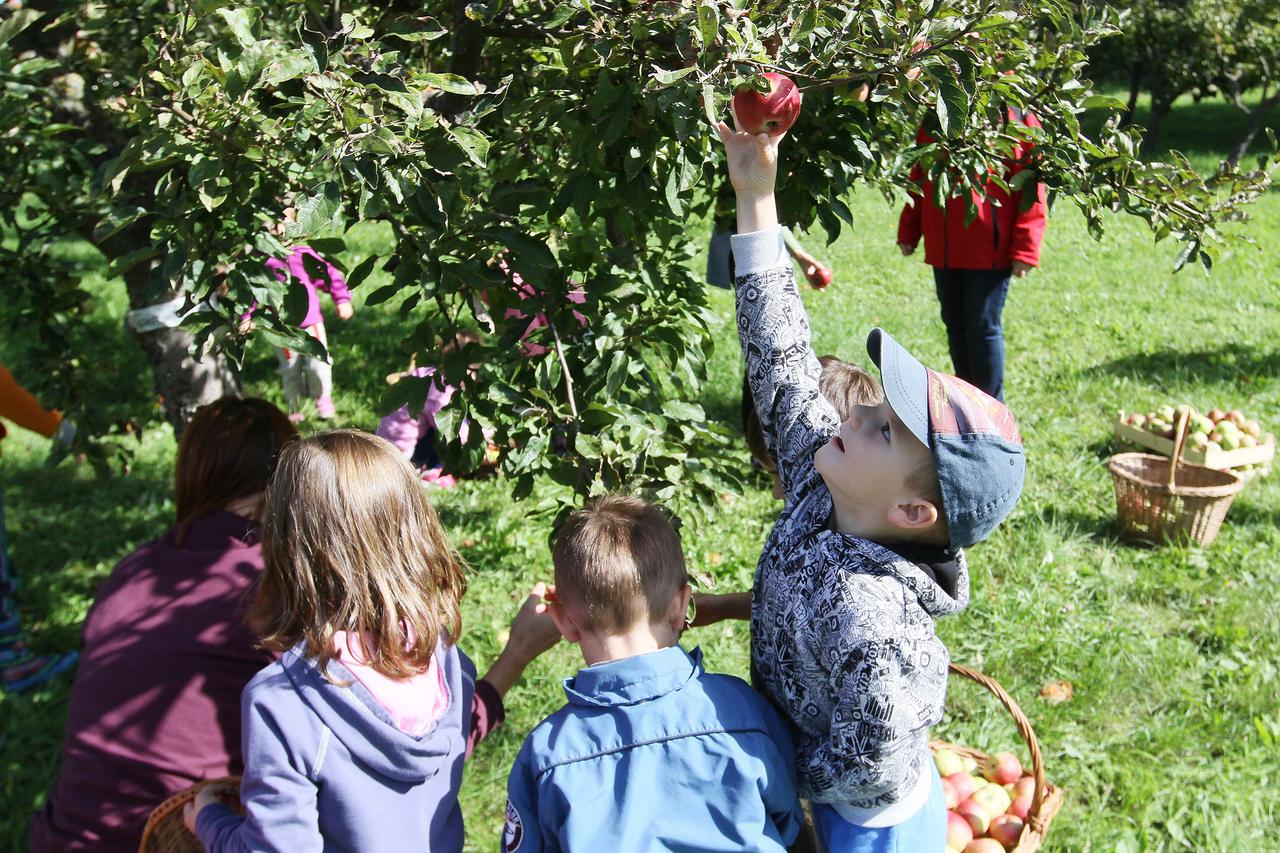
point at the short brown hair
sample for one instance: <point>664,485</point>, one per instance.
<point>228,451</point>
<point>351,543</point>
<point>618,560</point>
<point>845,385</point>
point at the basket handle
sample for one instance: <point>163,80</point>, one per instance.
<point>1180,433</point>
<point>1024,729</point>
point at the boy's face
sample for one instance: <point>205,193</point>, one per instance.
<point>867,464</point>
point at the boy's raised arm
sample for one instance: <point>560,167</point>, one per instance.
<point>782,368</point>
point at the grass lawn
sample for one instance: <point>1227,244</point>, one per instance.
<point>1171,740</point>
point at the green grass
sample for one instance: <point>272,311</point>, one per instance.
<point>1172,738</point>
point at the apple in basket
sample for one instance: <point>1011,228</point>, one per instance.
<point>1006,829</point>
<point>947,762</point>
<point>1024,791</point>
<point>959,833</point>
<point>984,845</point>
<point>963,783</point>
<point>977,814</point>
<point>994,799</point>
<point>949,794</point>
<point>1003,768</point>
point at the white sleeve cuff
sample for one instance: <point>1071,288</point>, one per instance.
<point>759,251</point>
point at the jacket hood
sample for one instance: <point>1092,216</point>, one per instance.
<point>940,580</point>
<point>356,719</point>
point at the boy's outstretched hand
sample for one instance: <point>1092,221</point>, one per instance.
<point>753,171</point>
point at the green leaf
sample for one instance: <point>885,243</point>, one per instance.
<point>951,104</point>
<point>666,78</point>
<point>472,142</point>
<point>316,212</point>
<point>17,21</point>
<point>1103,102</point>
<point>119,266</point>
<point>681,410</point>
<point>114,171</point>
<point>708,22</point>
<point>451,83</point>
<point>241,20</point>
<point>289,67</point>
<point>385,82</point>
<point>672,191</point>
<point>357,276</point>
<point>805,24</point>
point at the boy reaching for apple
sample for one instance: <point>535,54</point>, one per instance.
<point>866,551</point>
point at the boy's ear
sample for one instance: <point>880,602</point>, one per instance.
<point>564,621</point>
<point>913,514</point>
<point>679,608</point>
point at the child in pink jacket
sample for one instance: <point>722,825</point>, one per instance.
<point>305,376</point>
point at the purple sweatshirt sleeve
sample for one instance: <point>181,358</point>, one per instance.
<point>487,713</point>
<point>278,794</point>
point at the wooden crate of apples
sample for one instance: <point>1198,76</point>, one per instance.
<point>989,801</point>
<point>1218,439</point>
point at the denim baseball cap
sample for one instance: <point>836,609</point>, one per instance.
<point>976,446</point>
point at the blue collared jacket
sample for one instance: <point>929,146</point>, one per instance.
<point>652,753</point>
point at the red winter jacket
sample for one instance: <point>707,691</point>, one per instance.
<point>1000,234</point>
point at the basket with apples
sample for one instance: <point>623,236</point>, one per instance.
<point>1160,499</point>
<point>1216,439</point>
<point>994,804</point>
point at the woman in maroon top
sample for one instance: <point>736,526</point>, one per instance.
<point>155,705</point>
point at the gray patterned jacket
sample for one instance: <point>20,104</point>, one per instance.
<point>842,634</point>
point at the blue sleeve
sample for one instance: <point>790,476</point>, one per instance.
<point>782,368</point>
<point>522,831</point>
<point>278,794</point>
<point>781,797</point>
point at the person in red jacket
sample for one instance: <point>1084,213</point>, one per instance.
<point>972,264</point>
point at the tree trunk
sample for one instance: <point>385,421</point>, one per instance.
<point>1256,118</point>
<point>1135,89</point>
<point>1159,111</point>
<point>183,383</point>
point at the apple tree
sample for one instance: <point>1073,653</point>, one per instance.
<point>567,143</point>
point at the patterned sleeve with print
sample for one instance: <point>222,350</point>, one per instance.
<point>782,368</point>
<point>882,683</point>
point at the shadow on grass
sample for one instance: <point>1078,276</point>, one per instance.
<point>1235,364</point>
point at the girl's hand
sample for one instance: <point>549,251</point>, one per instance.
<point>1020,269</point>
<point>533,631</point>
<point>207,795</point>
<point>345,310</point>
<point>906,248</point>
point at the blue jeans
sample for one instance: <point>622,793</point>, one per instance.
<point>923,832</point>
<point>972,301</point>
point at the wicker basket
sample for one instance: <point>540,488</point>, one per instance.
<point>1160,499</point>
<point>1047,799</point>
<point>165,832</point>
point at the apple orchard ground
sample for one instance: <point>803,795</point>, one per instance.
<point>1171,736</point>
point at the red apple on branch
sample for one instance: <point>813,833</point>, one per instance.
<point>772,113</point>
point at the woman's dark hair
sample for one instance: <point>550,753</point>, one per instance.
<point>228,451</point>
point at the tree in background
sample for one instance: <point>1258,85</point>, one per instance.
<point>569,140</point>
<point>1249,58</point>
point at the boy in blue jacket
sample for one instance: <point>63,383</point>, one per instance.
<point>651,752</point>
<point>865,554</point>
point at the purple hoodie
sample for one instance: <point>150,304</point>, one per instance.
<point>326,768</point>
